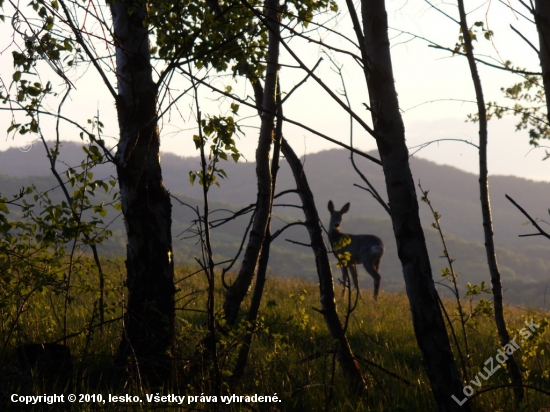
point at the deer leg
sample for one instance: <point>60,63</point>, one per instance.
<point>372,269</point>
<point>345,279</point>
<point>353,269</point>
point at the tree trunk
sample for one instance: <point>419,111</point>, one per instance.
<point>240,287</point>
<point>344,353</point>
<point>542,19</point>
<point>428,322</point>
<point>504,337</point>
<point>149,318</point>
<point>254,309</point>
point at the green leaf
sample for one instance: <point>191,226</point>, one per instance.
<point>33,91</point>
<point>67,44</point>
<point>4,208</point>
<point>197,140</point>
<point>17,76</point>
<point>16,125</point>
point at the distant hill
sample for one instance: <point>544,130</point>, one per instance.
<point>454,193</point>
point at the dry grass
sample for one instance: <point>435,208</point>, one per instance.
<point>292,354</point>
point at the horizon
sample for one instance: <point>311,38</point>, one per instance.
<point>433,156</point>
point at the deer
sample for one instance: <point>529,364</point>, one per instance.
<point>351,250</point>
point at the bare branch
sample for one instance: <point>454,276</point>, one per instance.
<point>317,79</point>
<point>533,221</point>
<point>423,145</point>
<point>442,12</point>
<point>510,385</point>
<point>525,39</point>
<point>487,63</point>
<point>294,242</point>
<point>301,82</point>
<point>78,34</point>
<point>286,119</point>
<point>507,4</point>
<point>281,230</point>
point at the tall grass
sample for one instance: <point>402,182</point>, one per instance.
<point>292,354</point>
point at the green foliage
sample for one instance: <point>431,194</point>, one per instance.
<point>289,355</point>
<point>343,258</point>
<point>478,28</point>
<point>43,40</point>
<point>475,290</point>
<point>219,131</point>
<point>342,242</point>
<point>529,104</point>
<point>41,252</point>
<point>534,346</point>
<point>299,299</point>
<point>31,261</point>
<point>228,37</point>
<point>190,29</point>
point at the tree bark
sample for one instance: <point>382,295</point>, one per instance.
<point>238,290</point>
<point>504,336</point>
<point>254,309</point>
<point>389,130</point>
<point>542,19</point>
<point>149,318</point>
<point>344,354</point>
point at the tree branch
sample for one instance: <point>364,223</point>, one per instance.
<point>533,221</point>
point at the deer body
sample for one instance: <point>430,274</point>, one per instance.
<point>352,250</point>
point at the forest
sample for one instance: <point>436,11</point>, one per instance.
<point>133,280</point>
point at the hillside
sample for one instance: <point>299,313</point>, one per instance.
<point>454,193</point>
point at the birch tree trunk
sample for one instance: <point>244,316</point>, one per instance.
<point>254,309</point>
<point>389,130</point>
<point>344,353</point>
<point>504,336</point>
<point>149,318</point>
<point>238,290</point>
<point>542,19</point>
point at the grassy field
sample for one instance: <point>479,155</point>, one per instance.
<point>292,355</point>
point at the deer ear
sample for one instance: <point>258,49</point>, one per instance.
<point>330,206</point>
<point>345,209</point>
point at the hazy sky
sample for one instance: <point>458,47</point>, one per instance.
<point>435,92</point>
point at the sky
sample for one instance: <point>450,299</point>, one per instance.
<point>435,92</point>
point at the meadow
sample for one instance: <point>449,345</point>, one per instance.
<point>292,356</point>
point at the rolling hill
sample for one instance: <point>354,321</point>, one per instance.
<point>524,261</point>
